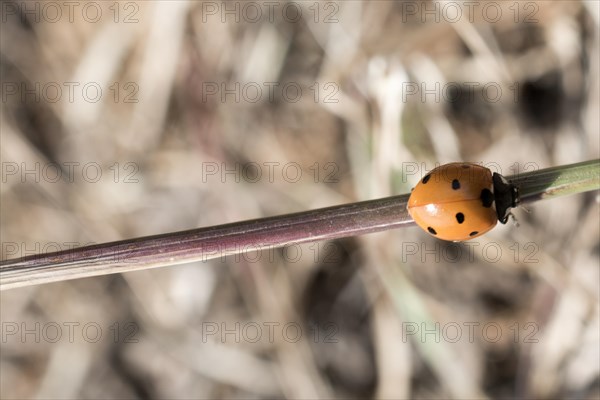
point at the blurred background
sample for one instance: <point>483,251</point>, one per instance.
<point>122,119</point>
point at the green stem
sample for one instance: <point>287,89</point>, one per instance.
<point>558,181</point>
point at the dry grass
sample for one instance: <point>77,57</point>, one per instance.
<point>357,301</point>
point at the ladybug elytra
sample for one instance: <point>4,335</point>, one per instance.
<point>461,201</point>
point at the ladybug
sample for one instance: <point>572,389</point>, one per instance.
<point>460,201</point>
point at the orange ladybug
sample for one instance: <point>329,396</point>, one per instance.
<point>460,201</point>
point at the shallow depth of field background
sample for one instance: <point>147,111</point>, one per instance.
<point>217,112</point>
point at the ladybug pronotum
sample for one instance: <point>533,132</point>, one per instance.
<point>460,201</point>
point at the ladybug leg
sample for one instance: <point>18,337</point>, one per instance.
<point>513,219</point>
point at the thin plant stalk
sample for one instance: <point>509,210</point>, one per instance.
<point>558,181</point>
<point>266,233</point>
<point>207,243</point>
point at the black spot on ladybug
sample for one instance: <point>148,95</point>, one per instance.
<point>473,233</point>
<point>455,184</point>
<point>426,179</point>
<point>460,217</point>
<point>431,230</point>
<point>487,198</point>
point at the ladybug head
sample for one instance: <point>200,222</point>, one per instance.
<point>506,196</point>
